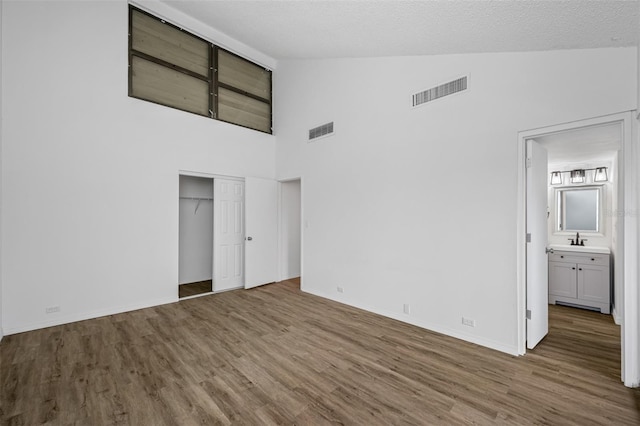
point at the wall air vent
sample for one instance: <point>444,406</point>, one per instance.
<point>320,131</point>
<point>438,92</point>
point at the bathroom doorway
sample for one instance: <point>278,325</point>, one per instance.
<point>621,243</point>
<point>587,149</point>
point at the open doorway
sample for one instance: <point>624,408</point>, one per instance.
<point>290,241</point>
<point>622,230</point>
<point>582,188</point>
<point>583,213</point>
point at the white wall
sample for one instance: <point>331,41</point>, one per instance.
<point>89,175</point>
<point>195,247</point>
<point>419,206</point>
<point>290,231</point>
<point>1,202</point>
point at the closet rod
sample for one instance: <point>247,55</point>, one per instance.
<point>196,198</point>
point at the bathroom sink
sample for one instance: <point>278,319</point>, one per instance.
<point>581,249</point>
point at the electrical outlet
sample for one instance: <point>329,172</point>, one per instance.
<point>52,309</point>
<point>340,289</point>
<point>406,309</point>
<point>468,321</point>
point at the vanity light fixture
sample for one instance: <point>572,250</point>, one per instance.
<point>600,175</point>
<point>577,176</point>
<point>556,178</point>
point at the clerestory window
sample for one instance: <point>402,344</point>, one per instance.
<point>172,67</point>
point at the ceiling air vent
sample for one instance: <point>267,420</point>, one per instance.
<point>320,131</point>
<point>437,92</point>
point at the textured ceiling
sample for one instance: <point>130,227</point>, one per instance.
<point>587,145</point>
<point>326,29</point>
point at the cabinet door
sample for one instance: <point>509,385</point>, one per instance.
<point>562,279</point>
<point>593,283</point>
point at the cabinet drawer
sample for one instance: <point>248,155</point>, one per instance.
<point>585,258</point>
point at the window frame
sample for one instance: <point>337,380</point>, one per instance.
<point>559,226</point>
<point>239,91</point>
<point>211,79</point>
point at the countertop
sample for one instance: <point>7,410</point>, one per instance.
<point>581,249</point>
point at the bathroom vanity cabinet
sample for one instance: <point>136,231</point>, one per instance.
<point>580,279</point>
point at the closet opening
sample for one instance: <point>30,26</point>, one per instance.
<point>211,230</point>
<point>195,248</point>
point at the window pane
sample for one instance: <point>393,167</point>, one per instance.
<point>243,75</point>
<point>581,210</point>
<point>243,110</point>
<point>166,86</point>
<point>165,42</point>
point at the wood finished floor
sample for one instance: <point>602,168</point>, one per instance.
<point>192,289</point>
<point>274,355</point>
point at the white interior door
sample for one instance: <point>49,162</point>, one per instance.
<point>261,245</point>
<point>537,262</point>
<point>228,234</point>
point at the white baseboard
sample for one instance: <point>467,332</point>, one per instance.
<point>616,316</point>
<point>20,328</point>
<point>511,350</point>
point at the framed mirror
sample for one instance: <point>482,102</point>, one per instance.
<point>578,209</point>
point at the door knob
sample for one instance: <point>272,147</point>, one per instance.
<point>249,238</point>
